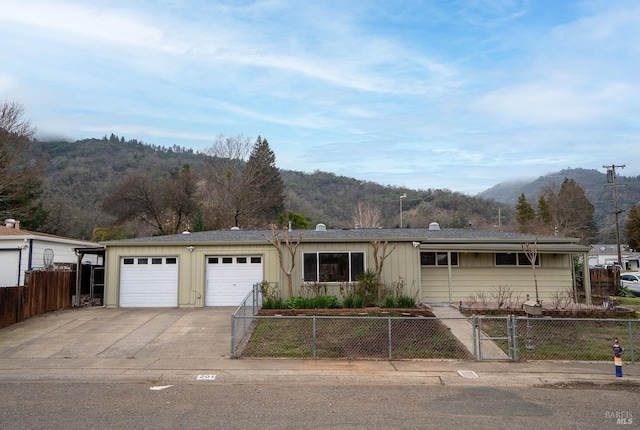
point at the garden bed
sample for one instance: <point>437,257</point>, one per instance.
<point>582,311</point>
<point>351,312</point>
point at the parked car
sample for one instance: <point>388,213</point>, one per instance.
<point>632,282</point>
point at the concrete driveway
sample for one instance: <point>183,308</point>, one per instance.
<point>178,345</point>
<point>139,333</point>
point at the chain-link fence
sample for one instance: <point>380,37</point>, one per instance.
<point>477,338</point>
<point>242,318</point>
<point>348,337</point>
<point>566,338</point>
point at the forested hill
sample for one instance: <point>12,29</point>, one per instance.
<point>79,175</point>
<point>594,182</point>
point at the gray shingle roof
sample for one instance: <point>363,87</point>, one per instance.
<point>347,235</point>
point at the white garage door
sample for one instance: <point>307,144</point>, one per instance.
<point>149,282</point>
<point>230,279</point>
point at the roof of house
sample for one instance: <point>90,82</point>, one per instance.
<point>9,233</point>
<point>445,237</point>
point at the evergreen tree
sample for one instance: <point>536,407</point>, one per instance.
<point>632,228</point>
<point>262,186</point>
<point>544,212</point>
<point>573,212</point>
<point>524,213</point>
<point>297,220</point>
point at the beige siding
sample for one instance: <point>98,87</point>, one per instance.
<point>403,262</point>
<point>191,267</point>
<point>477,272</point>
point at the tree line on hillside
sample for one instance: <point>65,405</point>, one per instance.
<point>560,211</point>
<point>120,188</point>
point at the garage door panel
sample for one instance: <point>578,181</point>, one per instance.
<point>149,282</point>
<point>230,279</point>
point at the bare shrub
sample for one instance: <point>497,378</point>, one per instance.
<point>471,300</point>
<point>397,287</point>
<point>501,294</point>
<point>313,289</point>
<point>556,298</point>
<point>269,290</point>
<point>514,300</point>
<point>349,289</point>
<point>569,298</point>
<point>483,297</point>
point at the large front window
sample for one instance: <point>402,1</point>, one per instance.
<point>332,266</point>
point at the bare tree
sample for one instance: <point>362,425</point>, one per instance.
<point>378,259</point>
<point>227,159</point>
<point>531,251</point>
<point>164,205</point>
<point>367,215</point>
<point>20,183</point>
<point>292,246</point>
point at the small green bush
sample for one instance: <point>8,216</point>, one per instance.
<point>353,302</point>
<point>317,302</point>
<point>348,302</point>
<point>273,303</point>
<point>325,302</point>
<point>388,302</point>
<point>406,302</point>
<point>298,302</point>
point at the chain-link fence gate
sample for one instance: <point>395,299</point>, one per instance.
<point>499,341</point>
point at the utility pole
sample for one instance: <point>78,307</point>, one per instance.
<point>611,179</point>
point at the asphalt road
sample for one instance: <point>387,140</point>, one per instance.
<point>299,405</point>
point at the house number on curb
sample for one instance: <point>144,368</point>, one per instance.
<point>206,378</point>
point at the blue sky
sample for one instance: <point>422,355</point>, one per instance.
<point>419,94</point>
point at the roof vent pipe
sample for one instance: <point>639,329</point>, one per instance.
<point>10,222</point>
<point>321,227</point>
<point>434,226</point>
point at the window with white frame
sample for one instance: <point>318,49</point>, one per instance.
<point>514,259</point>
<point>332,266</point>
<point>438,259</point>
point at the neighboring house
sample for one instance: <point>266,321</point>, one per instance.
<point>605,254</point>
<point>23,250</point>
<point>218,268</point>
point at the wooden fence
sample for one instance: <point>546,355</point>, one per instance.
<point>604,282</point>
<point>45,291</point>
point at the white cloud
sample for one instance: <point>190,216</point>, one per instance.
<point>66,19</point>
<point>555,102</point>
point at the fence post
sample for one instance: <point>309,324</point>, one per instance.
<point>514,333</point>
<point>315,354</point>
<point>233,326</point>
<point>633,358</point>
<point>474,332</point>
<point>390,342</point>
